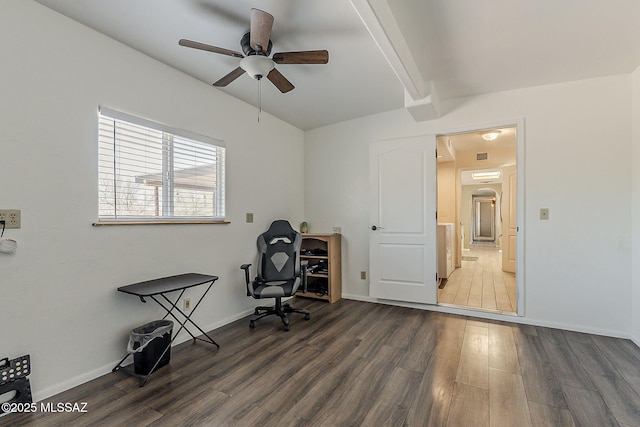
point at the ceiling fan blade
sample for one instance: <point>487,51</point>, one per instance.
<point>229,77</point>
<point>209,48</point>
<point>280,81</point>
<point>304,57</point>
<point>261,24</point>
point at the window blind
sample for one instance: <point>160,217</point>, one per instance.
<point>149,171</point>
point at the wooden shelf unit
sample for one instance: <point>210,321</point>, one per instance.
<point>322,250</point>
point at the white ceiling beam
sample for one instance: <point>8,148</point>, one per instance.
<point>383,27</point>
<point>424,109</point>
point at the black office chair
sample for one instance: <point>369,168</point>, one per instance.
<point>280,272</point>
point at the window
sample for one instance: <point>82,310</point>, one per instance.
<point>149,172</point>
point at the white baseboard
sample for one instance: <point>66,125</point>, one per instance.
<point>91,375</point>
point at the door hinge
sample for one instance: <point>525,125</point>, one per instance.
<point>436,215</point>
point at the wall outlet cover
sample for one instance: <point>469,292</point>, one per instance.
<point>11,218</point>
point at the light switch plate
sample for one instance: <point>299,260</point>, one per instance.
<point>249,217</point>
<point>544,213</point>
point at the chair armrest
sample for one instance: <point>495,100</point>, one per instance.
<point>303,265</point>
<point>245,267</point>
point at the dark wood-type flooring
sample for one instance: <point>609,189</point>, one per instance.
<point>363,364</point>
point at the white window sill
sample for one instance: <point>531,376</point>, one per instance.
<point>160,222</point>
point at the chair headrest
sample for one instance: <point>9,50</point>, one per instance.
<point>279,229</point>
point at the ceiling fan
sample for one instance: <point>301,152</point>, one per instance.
<point>256,46</point>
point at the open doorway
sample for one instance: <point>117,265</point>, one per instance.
<point>483,217</point>
<point>472,169</point>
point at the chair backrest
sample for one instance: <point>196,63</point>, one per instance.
<point>279,252</point>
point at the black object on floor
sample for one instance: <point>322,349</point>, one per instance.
<point>13,378</point>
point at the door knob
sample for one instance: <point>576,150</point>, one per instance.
<point>374,228</point>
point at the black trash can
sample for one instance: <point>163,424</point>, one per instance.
<point>148,342</point>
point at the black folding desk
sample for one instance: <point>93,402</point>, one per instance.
<point>157,290</point>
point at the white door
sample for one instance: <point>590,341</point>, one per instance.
<point>402,244</point>
<point>509,219</point>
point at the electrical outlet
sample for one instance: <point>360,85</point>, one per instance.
<point>11,218</point>
<point>337,230</point>
<point>186,304</point>
<point>363,275</point>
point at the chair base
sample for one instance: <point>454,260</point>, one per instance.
<point>280,310</point>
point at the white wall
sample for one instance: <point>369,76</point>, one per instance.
<point>635,217</point>
<point>578,263</point>
<point>58,298</point>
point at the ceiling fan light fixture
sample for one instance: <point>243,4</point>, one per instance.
<point>491,135</point>
<point>257,66</point>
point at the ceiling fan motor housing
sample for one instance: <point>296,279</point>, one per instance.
<point>248,51</point>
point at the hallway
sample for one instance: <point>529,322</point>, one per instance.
<point>480,283</point>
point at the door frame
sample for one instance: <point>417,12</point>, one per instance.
<point>519,124</point>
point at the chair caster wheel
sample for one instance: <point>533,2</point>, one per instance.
<point>307,316</point>
<point>286,327</point>
<point>252,324</point>
<point>256,312</point>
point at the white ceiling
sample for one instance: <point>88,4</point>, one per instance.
<point>464,47</point>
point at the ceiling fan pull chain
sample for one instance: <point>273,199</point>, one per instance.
<point>259,99</point>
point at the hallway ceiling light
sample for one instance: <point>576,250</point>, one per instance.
<point>491,135</point>
<point>486,175</point>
